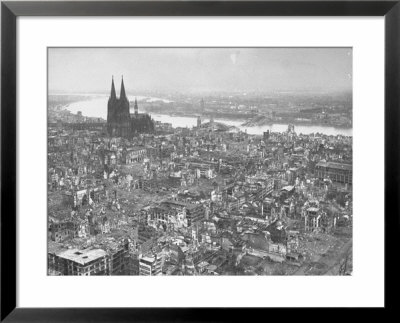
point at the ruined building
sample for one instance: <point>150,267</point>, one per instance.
<point>120,122</point>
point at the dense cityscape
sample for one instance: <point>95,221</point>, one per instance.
<point>133,196</point>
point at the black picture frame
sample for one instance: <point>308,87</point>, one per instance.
<point>9,13</point>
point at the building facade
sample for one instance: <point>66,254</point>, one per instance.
<point>337,172</point>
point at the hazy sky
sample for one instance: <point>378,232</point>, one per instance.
<point>86,70</point>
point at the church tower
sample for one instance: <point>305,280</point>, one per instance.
<point>118,117</point>
<point>122,95</point>
<point>136,108</point>
<point>110,107</point>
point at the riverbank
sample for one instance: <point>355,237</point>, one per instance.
<point>263,121</point>
<point>97,107</point>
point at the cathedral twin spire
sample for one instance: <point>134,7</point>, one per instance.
<point>120,122</point>
<point>112,96</point>
<point>122,93</point>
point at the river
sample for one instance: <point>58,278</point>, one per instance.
<point>97,107</point>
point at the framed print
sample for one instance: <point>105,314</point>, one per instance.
<point>196,154</point>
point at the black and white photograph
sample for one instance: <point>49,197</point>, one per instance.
<point>199,161</point>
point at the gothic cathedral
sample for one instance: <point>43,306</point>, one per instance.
<point>120,122</point>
